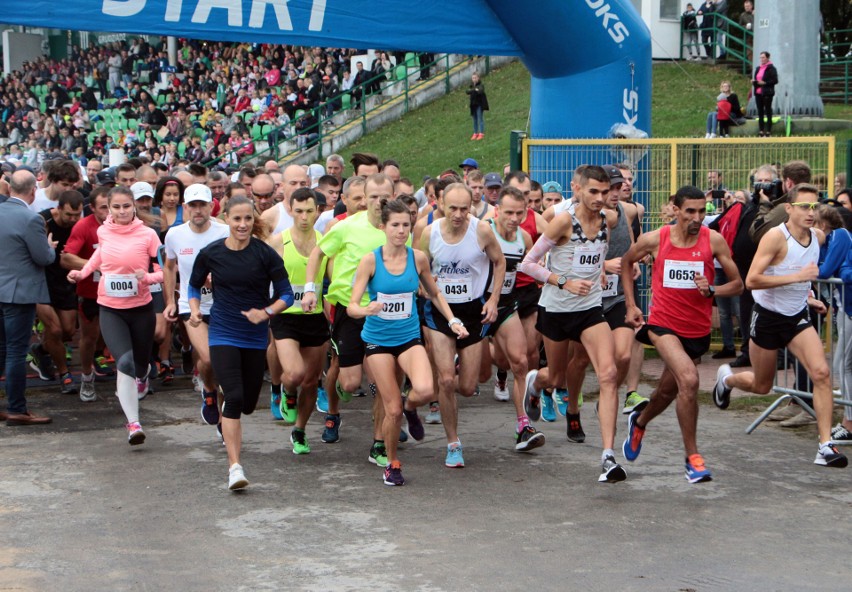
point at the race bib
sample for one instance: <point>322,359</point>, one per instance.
<point>395,306</point>
<point>611,288</point>
<point>509,282</point>
<point>155,288</point>
<point>456,289</point>
<point>121,285</point>
<point>680,275</point>
<point>587,258</point>
<point>206,294</point>
<point>298,294</point>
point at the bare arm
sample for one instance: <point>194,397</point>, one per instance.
<point>69,261</point>
<point>721,251</point>
<point>647,244</point>
<point>771,247</point>
<point>365,271</point>
<point>492,248</point>
<point>309,299</point>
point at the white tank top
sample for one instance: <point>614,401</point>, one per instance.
<point>285,220</point>
<point>790,299</point>
<point>462,269</point>
<point>581,258</point>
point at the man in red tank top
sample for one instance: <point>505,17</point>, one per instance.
<point>679,322</point>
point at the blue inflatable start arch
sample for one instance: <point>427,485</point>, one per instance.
<point>590,60</point>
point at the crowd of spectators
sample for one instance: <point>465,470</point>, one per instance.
<point>202,108</point>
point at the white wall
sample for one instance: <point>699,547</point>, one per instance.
<point>19,48</point>
<point>665,32</point>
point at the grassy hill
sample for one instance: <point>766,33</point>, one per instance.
<point>436,137</point>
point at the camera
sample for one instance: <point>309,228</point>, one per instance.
<point>771,189</point>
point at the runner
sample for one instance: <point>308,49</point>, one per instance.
<point>59,316</point>
<point>300,337</point>
<point>183,243</point>
<point>345,244</point>
<point>241,267</point>
<point>507,332</point>
<point>126,248</point>
<point>481,209</point>
<point>392,274</point>
<point>79,249</point>
<point>570,307</point>
<point>459,247</point>
<point>779,277</point>
<point>552,194</point>
<point>679,317</point>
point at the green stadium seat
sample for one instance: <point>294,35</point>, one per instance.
<point>346,99</point>
<point>161,100</point>
<point>181,149</point>
<point>410,59</point>
<point>400,72</point>
<point>255,132</point>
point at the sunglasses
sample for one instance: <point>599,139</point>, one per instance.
<point>806,205</point>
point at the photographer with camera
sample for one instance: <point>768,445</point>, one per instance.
<point>769,215</point>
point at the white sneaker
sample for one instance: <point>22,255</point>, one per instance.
<point>197,385</point>
<point>501,394</point>
<point>135,435</point>
<point>236,477</point>
<point>706,136</point>
<point>87,388</point>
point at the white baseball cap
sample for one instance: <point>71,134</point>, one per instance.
<point>197,192</point>
<point>141,189</point>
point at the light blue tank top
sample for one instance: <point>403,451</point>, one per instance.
<point>398,323</point>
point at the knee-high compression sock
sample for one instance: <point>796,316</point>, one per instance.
<point>125,390</point>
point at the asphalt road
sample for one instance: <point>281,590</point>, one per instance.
<point>82,510</point>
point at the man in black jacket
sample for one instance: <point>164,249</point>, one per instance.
<point>87,98</point>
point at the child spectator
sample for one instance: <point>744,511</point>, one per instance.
<point>723,115</point>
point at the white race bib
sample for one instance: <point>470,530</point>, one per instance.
<point>298,294</point>
<point>120,285</point>
<point>206,295</point>
<point>587,258</point>
<point>155,288</point>
<point>509,282</point>
<point>611,288</point>
<point>395,306</point>
<point>456,289</point>
<point>680,275</point>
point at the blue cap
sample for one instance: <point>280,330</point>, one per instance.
<point>469,162</point>
<point>551,187</point>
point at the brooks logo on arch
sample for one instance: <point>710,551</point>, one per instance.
<point>610,21</point>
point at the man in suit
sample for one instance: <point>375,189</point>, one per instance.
<point>28,249</point>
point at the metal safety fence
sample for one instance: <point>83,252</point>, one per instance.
<point>835,331</point>
<point>662,165</point>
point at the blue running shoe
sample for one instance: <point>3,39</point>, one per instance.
<point>455,460</point>
<point>548,410</point>
<point>331,433</point>
<point>696,472</point>
<point>210,408</point>
<point>343,395</point>
<point>633,443</point>
<point>403,435</point>
<point>322,400</point>
<point>275,405</point>
<point>560,397</point>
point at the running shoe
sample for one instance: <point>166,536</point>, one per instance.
<point>575,428</point>
<point>197,383</point>
<point>454,460</point>
<point>87,388</point>
<point>237,478</point>
<point>275,405</point>
<point>42,363</point>
<point>331,433</point>
<point>344,396</point>
<point>101,368</point>
<point>415,426</point>
<point>393,474</point>
<point>167,373</point>
<point>528,439</point>
<point>135,435</point>
<point>548,409</point>
<point>696,472</point>
<point>288,408</point>
<point>532,400</point>
<point>143,388</point>
<point>721,392</point>
<point>67,385</point>
<point>186,363</point>
<point>611,471</point>
<point>299,442</point>
<point>633,442</point>
<point>378,454</point>
<point>209,408</point>
<point>322,400</point>
<point>501,393</point>
<point>403,436</point>
<point>829,456</point>
<point>434,415</point>
<point>840,435</point>
<point>67,352</point>
<point>634,402</point>
<point>358,393</point>
<point>560,397</point>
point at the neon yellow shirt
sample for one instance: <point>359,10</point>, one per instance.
<point>296,265</point>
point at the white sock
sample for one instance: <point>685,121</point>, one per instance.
<point>607,452</point>
<point>125,390</point>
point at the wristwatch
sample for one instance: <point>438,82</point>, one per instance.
<point>455,321</point>
<point>561,281</point>
<point>269,312</point>
<point>712,291</point>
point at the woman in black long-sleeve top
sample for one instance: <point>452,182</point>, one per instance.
<point>764,81</point>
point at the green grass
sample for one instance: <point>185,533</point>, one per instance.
<point>436,137</point>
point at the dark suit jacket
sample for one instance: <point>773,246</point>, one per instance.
<point>26,253</point>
